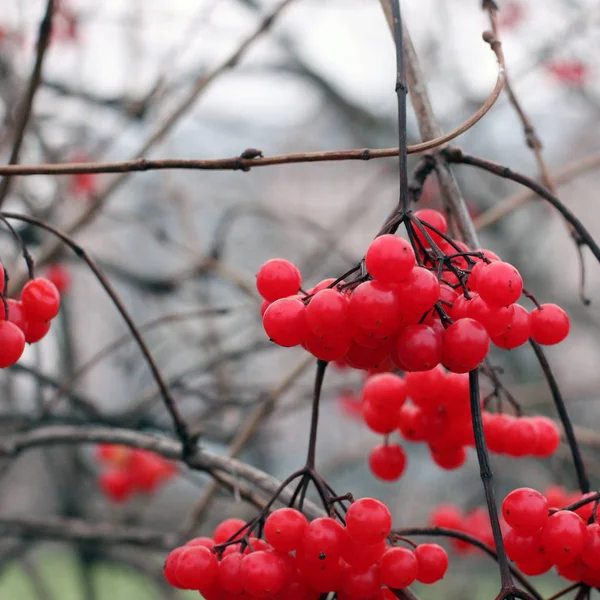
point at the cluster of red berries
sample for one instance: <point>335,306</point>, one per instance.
<point>405,314</point>
<point>128,470</point>
<point>541,536</point>
<point>475,523</point>
<point>298,560</point>
<point>439,414</point>
<point>28,319</point>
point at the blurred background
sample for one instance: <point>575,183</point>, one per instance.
<point>178,245</point>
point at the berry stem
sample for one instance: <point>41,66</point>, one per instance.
<point>401,92</point>
<point>488,482</point>
<point>563,415</point>
<point>314,419</point>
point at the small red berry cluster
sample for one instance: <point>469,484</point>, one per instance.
<point>541,536</point>
<point>475,522</point>
<point>406,309</point>
<point>298,560</point>
<point>26,320</point>
<point>128,470</point>
<point>439,414</point>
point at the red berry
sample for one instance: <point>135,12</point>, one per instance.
<point>434,218</point>
<point>499,284</point>
<point>386,392</point>
<point>433,562</point>
<point>550,324</point>
<point>40,299</point>
<point>262,573</point>
<point>361,555</point>
<point>417,294</point>
<point>390,259</point>
<point>378,421</point>
<point>520,437</point>
<point>548,437</point>
<point>525,510</point>
<point>170,564</point>
<point>285,322</point>
<point>328,347</point>
<point>375,308</point>
<point>563,537</point>
<point>196,568</point>
<point>398,567</point>
<point>368,521</point>
<point>411,423</point>
<point>448,516</point>
<point>36,330</point>
<point>278,278</point>
<point>464,345</point>
<point>518,332</point>
<point>451,459</point>
<point>536,566</point>
<point>327,312</point>
<point>284,529</point>
<point>323,540</point>
<point>387,461</point>
<point>227,529</point>
<point>418,348</point>
<point>590,554</point>
<point>521,548</point>
<point>59,275</point>
<point>360,583</point>
<point>117,484</point>
<point>495,319</point>
<point>229,573</point>
<point>12,344</point>
<point>201,541</point>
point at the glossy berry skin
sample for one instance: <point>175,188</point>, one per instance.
<point>417,348</point>
<point>550,324</point>
<point>518,331</point>
<point>434,218</point>
<point>465,344</point>
<point>417,294</point>
<point>387,462</point>
<point>548,437</point>
<point>59,275</point>
<point>368,521</point>
<point>495,319</point>
<point>327,312</point>
<point>227,529</point>
<point>433,562</point>
<point>360,555</point>
<point>536,566</point>
<point>278,278</point>
<point>170,564</point>
<point>36,330</point>
<point>229,573</point>
<point>360,583</point>
<point>262,573</point>
<point>285,322</point>
<point>385,391</point>
<point>374,307</point>
<point>590,554</point>
<point>40,299</point>
<point>12,344</point>
<point>564,537</point>
<point>390,259</point>
<point>499,284</point>
<point>521,548</point>
<point>322,541</point>
<point>398,567</point>
<point>197,567</point>
<point>284,529</point>
<point>525,510</point>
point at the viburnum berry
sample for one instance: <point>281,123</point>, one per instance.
<point>517,332</point>
<point>521,548</point>
<point>284,529</point>
<point>495,319</point>
<point>262,573</point>
<point>449,459</point>
<point>328,311</point>
<point>375,308</point>
<point>385,391</point>
<point>390,259</point>
<point>285,322</point>
<point>434,218</point>
<point>117,484</point>
<point>229,573</point>
<point>590,554</point>
<point>196,568</point>
<point>323,540</point>
<point>328,347</point>
<point>36,330</point>
<point>201,541</point>
<point>59,275</point>
<point>40,299</point>
<point>411,423</point>
<point>387,461</point>
<point>446,515</point>
<point>548,436</point>
<point>417,348</point>
<point>417,294</point>
<point>465,344</point>
<point>360,583</point>
<point>361,555</point>
<point>432,562</point>
<point>520,437</point>
<point>278,278</point>
<point>170,564</point>
<point>537,565</point>
<point>398,567</point>
<point>12,344</point>
<point>550,324</point>
<point>525,510</point>
<point>499,284</point>
<point>378,421</point>
<point>368,520</point>
<point>227,529</point>
<point>563,537</point>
